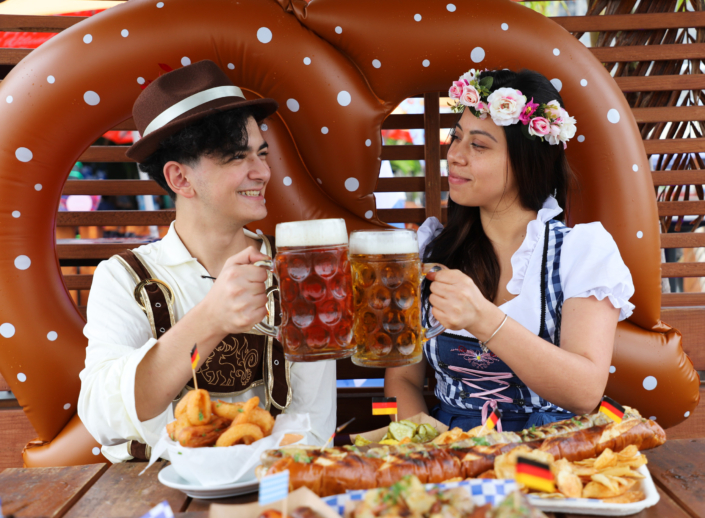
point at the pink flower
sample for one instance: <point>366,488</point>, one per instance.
<point>470,96</point>
<point>539,126</point>
<point>528,111</point>
<point>456,90</point>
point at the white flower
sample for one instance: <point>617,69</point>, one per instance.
<point>567,128</point>
<point>506,104</point>
<point>469,76</point>
<point>553,110</point>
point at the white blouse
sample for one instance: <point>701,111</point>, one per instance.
<point>590,266</point>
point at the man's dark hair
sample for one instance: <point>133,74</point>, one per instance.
<point>219,136</point>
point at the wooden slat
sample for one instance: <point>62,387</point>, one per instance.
<point>29,23</point>
<point>402,215</point>
<point>113,187</point>
<point>13,56</point>
<point>691,428</point>
<point>94,249</point>
<point>15,432</point>
<point>631,22</point>
<point>681,208</point>
<point>105,154</point>
<point>669,113</point>
<point>669,300</point>
<point>78,282</point>
<point>682,270</point>
<point>661,83</point>
<point>676,468</point>
<point>649,52</point>
<point>691,323</point>
<point>692,177</point>
<point>432,155</point>
<point>412,152</point>
<point>676,145</point>
<point>115,217</point>
<point>683,240</point>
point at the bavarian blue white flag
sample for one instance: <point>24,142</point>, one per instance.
<point>274,488</point>
<point>162,510</point>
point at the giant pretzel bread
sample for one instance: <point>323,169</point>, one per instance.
<point>337,68</point>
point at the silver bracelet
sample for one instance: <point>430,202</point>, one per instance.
<point>483,345</point>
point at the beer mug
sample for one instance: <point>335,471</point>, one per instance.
<point>386,276</point>
<point>315,290</point>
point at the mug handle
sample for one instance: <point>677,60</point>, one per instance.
<point>263,326</point>
<point>436,330</point>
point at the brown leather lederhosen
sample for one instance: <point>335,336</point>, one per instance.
<point>239,363</point>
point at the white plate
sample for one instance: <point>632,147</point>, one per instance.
<point>598,507</point>
<point>170,478</point>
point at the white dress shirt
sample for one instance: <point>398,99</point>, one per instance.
<point>119,335</point>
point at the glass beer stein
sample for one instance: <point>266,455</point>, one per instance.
<point>387,275</point>
<point>315,290</point>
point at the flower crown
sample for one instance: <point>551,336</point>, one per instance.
<point>508,106</point>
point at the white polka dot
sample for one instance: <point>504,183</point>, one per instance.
<point>67,406</point>
<point>51,79</point>
<point>477,54</point>
<point>557,84</point>
<point>339,30</point>
<point>583,82</point>
<point>613,116</point>
<point>505,27</point>
<point>52,336</point>
<point>324,130</point>
<point>369,214</point>
<point>22,262</point>
<point>376,63</point>
<point>417,17</point>
<point>687,414</point>
<point>231,66</point>
<point>344,98</point>
<point>185,61</point>
<point>650,383</point>
<point>581,138</point>
<point>259,232</point>
<point>9,99</point>
<point>368,142</point>
<point>635,168</point>
<point>351,184</point>
<point>319,180</point>
<point>613,369</point>
<point>264,35</point>
<point>159,6</point>
<point>21,376</point>
<point>87,38</point>
<point>556,52</point>
<point>15,213</point>
<point>653,418</point>
<point>264,127</point>
<point>91,98</point>
<point>639,234</point>
<point>307,60</point>
<point>292,104</point>
<point>96,450</point>
<point>426,63</point>
<point>124,33</point>
<point>287,181</point>
<point>37,187</point>
<point>7,330</point>
<point>23,154</point>
<point>140,80</point>
<point>451,8</point>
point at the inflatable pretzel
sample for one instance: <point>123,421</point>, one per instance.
<point>337,68</point>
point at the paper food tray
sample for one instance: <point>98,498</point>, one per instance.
<point>301,497</point>
<point>598,507</point>
<point>378,434</point>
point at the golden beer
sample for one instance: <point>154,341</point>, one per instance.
<point>386,279</point>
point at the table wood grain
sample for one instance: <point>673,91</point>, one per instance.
<point>46,492</point>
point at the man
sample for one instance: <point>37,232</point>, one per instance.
<point>199,285</point>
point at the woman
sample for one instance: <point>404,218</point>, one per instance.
<point>530,306</point>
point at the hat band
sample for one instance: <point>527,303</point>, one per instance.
<point>190,103</point>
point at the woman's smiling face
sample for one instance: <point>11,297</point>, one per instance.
<point>479,172</point>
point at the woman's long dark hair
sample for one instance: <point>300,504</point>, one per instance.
<point>540,170</point>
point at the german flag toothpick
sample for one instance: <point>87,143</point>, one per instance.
<point>535,475</point>
<point>194,363</point>
<point>492,420</point>
<point>384,406</point>
<point>612,409</point>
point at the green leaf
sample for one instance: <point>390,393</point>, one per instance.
<point>525,131</point>
<point>487,82</point>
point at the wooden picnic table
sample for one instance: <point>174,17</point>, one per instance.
<point>117,491</point>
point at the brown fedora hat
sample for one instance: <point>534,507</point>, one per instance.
<point>179,98</point>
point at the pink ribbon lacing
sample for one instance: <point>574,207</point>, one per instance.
<point>498,378</point>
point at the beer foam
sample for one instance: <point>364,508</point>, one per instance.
<point>315,232</point>
<point>374,242</point>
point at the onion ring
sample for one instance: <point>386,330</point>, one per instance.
<point>198,408</point>
<point>263,419</point>
<point>245,411</point>
<point>182,404</point>
<point>229,410</point>
<point>247,433</point>
<point>204,435</point>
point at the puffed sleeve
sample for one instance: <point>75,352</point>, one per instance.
<point>119,336</point>
<point>427,232</point>
<point>591,265</point>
